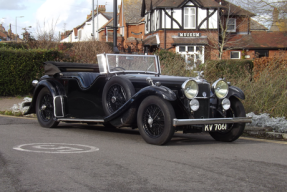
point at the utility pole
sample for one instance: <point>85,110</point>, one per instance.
<point>97,19</point>
<point>16,26</point>
<point>116,50</point>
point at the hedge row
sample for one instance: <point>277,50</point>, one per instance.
<point>19,67</point>
<point>272,64</point>
<point>230,69</point>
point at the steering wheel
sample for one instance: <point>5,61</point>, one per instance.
<point>117,68</point>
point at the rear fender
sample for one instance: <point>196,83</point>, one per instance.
<point>58,94</point>
<point>161,91</point>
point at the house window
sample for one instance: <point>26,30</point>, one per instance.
<point>261,53</point>
<point>192,54</point>
<point>189,17</point>
<point>231,25</point>
<point>235,54</point>
<point>152,22</point>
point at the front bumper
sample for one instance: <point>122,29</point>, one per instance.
<point>180,122</point>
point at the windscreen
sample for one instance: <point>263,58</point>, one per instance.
<point>132,63</point>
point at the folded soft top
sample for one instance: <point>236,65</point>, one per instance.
<point>53,67</point>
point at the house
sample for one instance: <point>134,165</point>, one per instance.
<point>187,27</point>
<point>84,31</point>
<point>7,35</point>
<point>130,27</point>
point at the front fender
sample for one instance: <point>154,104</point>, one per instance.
<point>162,91</point>
<point>55,88</point>
<point>235,91</point>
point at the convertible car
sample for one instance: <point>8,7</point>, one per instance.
<point>129,91</point>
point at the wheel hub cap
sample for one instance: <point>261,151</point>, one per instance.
<point>114,99</point>
<point>150,121</point>
<point>43,107</point>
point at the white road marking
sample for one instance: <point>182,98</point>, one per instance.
<point>55,148</point>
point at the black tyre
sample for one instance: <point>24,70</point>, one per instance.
<point>45,109</point>
<point>155,120</point>
<point>234,130</point>
<point>116,92</point>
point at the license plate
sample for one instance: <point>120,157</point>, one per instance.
<point>215,127</point>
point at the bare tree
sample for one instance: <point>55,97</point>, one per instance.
<point>232,18</point>
<point>271,13</point>
<point>46,34</point>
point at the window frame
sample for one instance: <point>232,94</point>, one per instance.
<point>234,23</point>
<point>235,51</point>
<point>190,17</point>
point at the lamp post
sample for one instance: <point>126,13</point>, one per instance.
<point>16,25</point>
<point>93,33</point>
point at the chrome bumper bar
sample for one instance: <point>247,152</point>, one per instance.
<point>179,122</point>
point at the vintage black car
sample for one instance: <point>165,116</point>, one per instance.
<point>129,91</point>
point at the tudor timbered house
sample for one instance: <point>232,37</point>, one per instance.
<point>183,26</point>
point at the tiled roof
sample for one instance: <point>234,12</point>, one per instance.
<point>150,41</point>
<point>259,39</point>
<point>110,23</point>
<point>108,15</point>
<point>132,11</point>
<point>190,40</point>
<point>255,26</point>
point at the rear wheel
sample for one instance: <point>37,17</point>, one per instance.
<point>155,117</point>
<point>45,109</point>
<point>235,130</point>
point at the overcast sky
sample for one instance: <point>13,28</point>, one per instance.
<point>65,13</point>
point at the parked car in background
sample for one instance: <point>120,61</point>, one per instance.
<point>129,91</point>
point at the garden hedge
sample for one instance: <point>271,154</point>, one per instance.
<point>19,67</point>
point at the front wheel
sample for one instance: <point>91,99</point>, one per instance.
<point>45,109</point>
<point>155,117</point>
<point>235,130</point>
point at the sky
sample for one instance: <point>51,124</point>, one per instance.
<point>57,14</point>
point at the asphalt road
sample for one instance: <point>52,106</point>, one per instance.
<point>33,158</point>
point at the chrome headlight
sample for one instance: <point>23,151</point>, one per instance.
<point>220,88</point>
<point>190,89</point>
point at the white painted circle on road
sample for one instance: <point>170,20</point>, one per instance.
<point>55,148</point>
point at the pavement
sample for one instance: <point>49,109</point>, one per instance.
<point>6,103</point>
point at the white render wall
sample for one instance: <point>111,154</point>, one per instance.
<point>177,14</point>
<point>86,30</point>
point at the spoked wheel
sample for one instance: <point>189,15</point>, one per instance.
<point>155,117</point>
<point>116,97</point>
<point>45,109</point>
<point>153,121</point>
<point>117,91</point>
<point>235,130</point>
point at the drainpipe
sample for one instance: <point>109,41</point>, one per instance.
<point>93,31</point>
<point>116,50</point>
<point>123,28</point>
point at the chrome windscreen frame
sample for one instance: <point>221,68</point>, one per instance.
<point>156,59</point>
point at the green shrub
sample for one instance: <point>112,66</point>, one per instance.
<point>19,67</point>
<point>230,69</point>
<point>172,64</point>
<point>14,45</point>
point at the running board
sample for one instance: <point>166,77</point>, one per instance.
<point>81,120</point>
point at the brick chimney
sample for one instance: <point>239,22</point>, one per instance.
<point>102,8</point>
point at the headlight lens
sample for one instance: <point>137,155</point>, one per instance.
<point>194,105</point>
<point>190,88</point>
<point>220,88</point>
<point>225,104</point>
